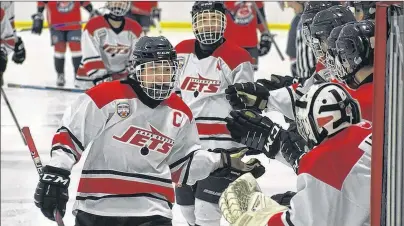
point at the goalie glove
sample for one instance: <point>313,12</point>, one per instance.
<point>243,203</point>
<point>255,131</point>
<point>247,96</point>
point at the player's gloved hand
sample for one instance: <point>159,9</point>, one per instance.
<point>243,203</point>
<point>255,131</point>
<point>51,191</point>
<point>3,60</point>
<point>293,146</point>
<point>247,96</point>
<point>277,82</point>
<point>156,13</point>
<point>265,44</point>
<point>284,198</point>
<point>19,51</point>
<point>94,13</point>
<point>231,160</point>
<point>37,23</point>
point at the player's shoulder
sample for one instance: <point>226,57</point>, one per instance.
<point>133,26</point>
<point>186,46</point>
<point>332,160</point>
<point>232,54</point>
<point>107,92</point>
<point>2,13</point>
<point>95,23</point>
<point>175,102</point>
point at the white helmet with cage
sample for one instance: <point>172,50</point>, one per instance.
<point>325,110</point>
<point>118,8</point>
<point>154,65</point>
<point>208,21</point>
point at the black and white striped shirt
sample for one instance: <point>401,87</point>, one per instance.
<point>305,60</point>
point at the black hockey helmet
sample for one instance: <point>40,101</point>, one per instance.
<point>310,10</point>
<point>208,21</point>
<point>322,25</point>
<point>364,10</point>
<point>154,65</point>
<point>355,49</point>
<point>332,50</point>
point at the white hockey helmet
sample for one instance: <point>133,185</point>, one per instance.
<point>208,21</point>
<point>118,8</point>
<point>325,110</point>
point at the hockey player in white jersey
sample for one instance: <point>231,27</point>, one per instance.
<point>209,65</point>
<point>333,184</point>
<point>143,137</point>
<point>7,41</point>
<point>107,42</point>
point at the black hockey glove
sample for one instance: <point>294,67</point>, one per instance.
<point>3,60</point>
<point>156,13</point>
<point>51,191</point>
<point>19,51</point>
<point>293,146</point>
<point>37,23</point>
<point>247,96</point>
<point>232,167</point>
<point>284,198</point>
<point>255,131</point>
<point>265,44</point>
<point>277,82</point>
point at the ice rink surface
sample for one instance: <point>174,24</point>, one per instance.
<point>42,110</point>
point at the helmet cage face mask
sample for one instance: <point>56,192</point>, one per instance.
<point>209,26</point>
<point>118,8</point>
<point>157,77</point>
<point>324,111</point>
<point>319,54</point>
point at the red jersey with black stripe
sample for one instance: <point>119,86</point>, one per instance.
<point>143,7</point>
<point>136,154</point>
<point>333,185</point>
<point>202,84</point>
<point>62,12</point>
<point>242,19</point>
<point>105,51</point>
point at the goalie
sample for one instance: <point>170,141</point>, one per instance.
<point>333,184</point>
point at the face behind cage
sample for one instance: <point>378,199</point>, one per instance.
<point>209,26</point>
<point>118,8</point>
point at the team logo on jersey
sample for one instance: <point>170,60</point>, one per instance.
<point>123,110</point>
<point>151,139</point>
<point>116,49</point>
<point>200,84</point>
<point>243,14</point>
<point>64,6</point>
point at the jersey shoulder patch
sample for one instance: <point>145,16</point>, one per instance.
<point>186,46</point>
<point>133,26</point>
<point>95,23</point>
<point>175,102</point>
<point>232,54</point>
<point>107,92</point>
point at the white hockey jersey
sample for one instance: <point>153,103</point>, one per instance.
<point>7,39</point>
<point>202,83</point>
<point>333,184</point>
<point>105,52</point>
<point>136,154</point>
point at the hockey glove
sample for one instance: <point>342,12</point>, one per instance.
<point>231,160</point>
<point>243,203</point>
<point>255,131</point>
<point>156,13</point>
<point>37,23</point>
<point>19,51</point>
<point>51,191</point>
<point>284,198</point>
<point>3,60</point>
<point>277,82</point>
<point>265,44</point>
<point>293,146</point>
<point>247,96</point>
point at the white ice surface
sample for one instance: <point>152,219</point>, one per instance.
<point>42,110</point>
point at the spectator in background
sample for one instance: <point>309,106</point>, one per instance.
<point>144,12</point>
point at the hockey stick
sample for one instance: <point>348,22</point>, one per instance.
<point>57,25</point>
<point>51,88</point>
<point>13,115</point>
<point>263,20</point>
<point>38,164</point>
